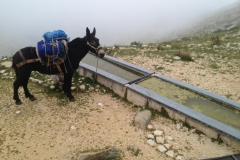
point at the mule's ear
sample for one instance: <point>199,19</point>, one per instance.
<point>88,32</point>
<point>94,32</point>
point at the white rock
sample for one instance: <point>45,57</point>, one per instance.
<point>178,126</point>
<point>18,112</point>
<point>176,57</point>
<point>100,104</point>
<point>170,153</point>
<point>151,142</point>
<point>34,80</point>
<point>160,140</point>
<point>161,148</point>
<point>150,126</point>
<point>55,79</point>
<point>150,136</point>
<point>72,88</point>
<point>40,82</point>
<point>7,63</point>
<point>193,130</point>
<point>179,158</point>
<point>2,71</point>
<point>91,88</point>
<point>169,138</point>
<point>158,133</point>
<point>167,145</point>
<point>82,87</point>
<point>52,87</point>
<point>73,127</point>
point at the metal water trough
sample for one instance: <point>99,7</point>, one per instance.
<point>141,96</point>
<point>228,157</point>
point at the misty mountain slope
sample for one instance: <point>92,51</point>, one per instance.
<point>224,19</point>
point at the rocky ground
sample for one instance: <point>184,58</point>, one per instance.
<point>54,128</point>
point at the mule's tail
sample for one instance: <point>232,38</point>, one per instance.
<point>14,65</point>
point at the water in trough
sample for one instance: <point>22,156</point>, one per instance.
<point>112,68</point>
<point>205,105</point>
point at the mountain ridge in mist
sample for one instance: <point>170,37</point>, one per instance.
<point>226,18</point>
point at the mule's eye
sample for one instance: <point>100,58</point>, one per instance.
<point>92,42</point>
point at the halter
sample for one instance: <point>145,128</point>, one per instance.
<point>96,49</point>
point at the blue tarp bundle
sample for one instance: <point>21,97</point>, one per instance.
<point>55,35</point>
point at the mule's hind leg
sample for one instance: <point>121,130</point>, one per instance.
<point>16,85</point>
<point>26,91</point>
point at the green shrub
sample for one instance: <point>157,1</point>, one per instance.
<point>215,40</point>
<point>136,43</point>
<point>184,56</point>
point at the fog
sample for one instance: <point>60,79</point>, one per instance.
<point>117,22</point>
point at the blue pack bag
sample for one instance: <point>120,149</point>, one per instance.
<point>48,48</point>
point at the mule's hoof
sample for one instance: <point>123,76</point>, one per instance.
<point>72,99</point>
<point>32,98</point>
<point>18,102</point>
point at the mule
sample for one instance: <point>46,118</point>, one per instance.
<point>77,49</point>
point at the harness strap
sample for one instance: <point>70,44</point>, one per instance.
<point>24,60</point>
<point>96,49</point>
<point>57,63</point>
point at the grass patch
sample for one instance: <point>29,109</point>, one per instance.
<point>214,66</point>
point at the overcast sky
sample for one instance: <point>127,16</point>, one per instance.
<point>113,19</point>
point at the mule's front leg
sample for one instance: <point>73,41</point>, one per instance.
<point>67,86</point>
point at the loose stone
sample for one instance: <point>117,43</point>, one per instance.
<point>161,148</point>
<point>160,140</point>
<point>158,133</point>
<point>179,158</point>
<point>150,136</point>
<point>100,104</point>
<point>73,127</point>
<point>167,145</point>
<point>170,153</point>
<point>82,87</point>
<point>151,142</point>
<point>18,112</point>
<point>150,127</point>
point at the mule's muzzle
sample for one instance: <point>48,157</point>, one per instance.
<point>100,52</point>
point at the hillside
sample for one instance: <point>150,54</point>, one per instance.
<point>224,19</point>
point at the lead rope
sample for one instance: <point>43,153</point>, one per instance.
<point>95,73</point>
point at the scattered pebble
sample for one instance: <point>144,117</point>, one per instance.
<point>73,127</point>
<point>100,104</point>
<point>161,148</point>
<point>18,112</point>
<point>158,133</point>
<point>151,142</point>
<point>150,136</point>
<point>170,153</point>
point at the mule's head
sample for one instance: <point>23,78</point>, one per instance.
<point>93,43</point>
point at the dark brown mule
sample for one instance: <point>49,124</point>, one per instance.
<point>77,49</point>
